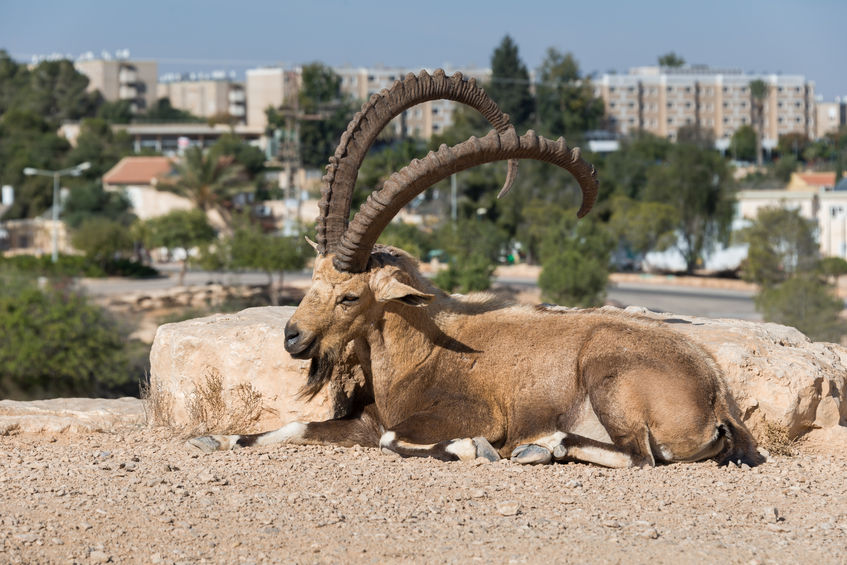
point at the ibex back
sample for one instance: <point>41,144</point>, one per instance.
<point>458,377</point>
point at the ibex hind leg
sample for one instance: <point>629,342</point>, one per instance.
<point>564,446</point>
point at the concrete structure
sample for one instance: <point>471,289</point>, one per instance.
<point>827,208</point>
<point>33,236</point>
<point>122,79</point>
<point>205,97</point>
<point>137,177</point>
<point>661,100</point>
<point>830,116</point>
<point>269,86</point>
<point>171,138</point>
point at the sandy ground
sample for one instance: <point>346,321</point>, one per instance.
<point>140,496</point>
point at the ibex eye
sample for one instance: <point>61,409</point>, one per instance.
<point>349,299</point>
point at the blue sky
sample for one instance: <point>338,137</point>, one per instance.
<point>792,37</point>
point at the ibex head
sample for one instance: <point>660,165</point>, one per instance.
<point>353,281</point>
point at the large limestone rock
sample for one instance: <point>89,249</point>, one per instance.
<point>778,377</point>
<point>230,372</point>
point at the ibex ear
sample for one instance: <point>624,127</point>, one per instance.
<point>386,288</point>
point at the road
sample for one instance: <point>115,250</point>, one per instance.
<point>695,301</point>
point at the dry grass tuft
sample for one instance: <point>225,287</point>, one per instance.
<point>212,409</point>
<point>777,440</point>
<point>158,404</point>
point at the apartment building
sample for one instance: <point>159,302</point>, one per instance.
<point>661,100</point>
<point>423,120</point>
<point>205,96</point>
<point>269,87</point>
<point>122,79</point>
<point>830,116</point>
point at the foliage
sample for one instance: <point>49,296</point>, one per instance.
<point>643,226</point>
<point>117,112</point>
<point>473,247</point>
<point>832,267</point>
<point>57,344</point>
<point>320,94</point>
<point>805,303</point>
<point>251,158</point>
<point>468,273</point>
<point>565,100</point>
<point>251,248</point>
<point>742,144</point>
<point>208,180</point>
<point>671,59</point>
<point>407,237</point>
<point>73,266</point>
<point>781,244</point>
<point>510,83</point>
<point>785,166</point>
<point>100,146</point>
<point>696,182</point>
<point>575,262</point>
<point>163,111</point>
<point>179,228</point>
<point>102,239</point>
<point>90,200</point>
<point>758,95</point>
<point>625,171</point>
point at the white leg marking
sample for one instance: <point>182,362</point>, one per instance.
<point>287,433</point>
<point>601,456</point>
<point>387,439</point>
<point>550,442</point>
<point>464,449</point>
<point>214,443</point>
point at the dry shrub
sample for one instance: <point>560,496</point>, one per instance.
<point>158,404</point>
<point>211,409</point>
<point>778,441</point>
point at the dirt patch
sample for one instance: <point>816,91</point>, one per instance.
<point>139,496</point>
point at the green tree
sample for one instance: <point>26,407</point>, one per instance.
<point>117,112</point>
<point>758,94</point>
<point>100,146</point>
<point>781,244</point>
<point>742,144</point>
<point>625,171</point>
<point>251,158</point>
<point>671,59</point>
<point>805,303</point>
<point>209,181</point>
<point>90,200</point>
<point>180,228</point>
<point>102,240</point>
<point>163,111</point>
<point>320,97</point>
<point>251,248</point>
<point>473,247</point>
<point>57,344</point>
<point>565,100</point>
<point>510,85</point>
<point>57,92</point>
<point>575,262</point>
<point>643,226</point>
<point>697,183</point>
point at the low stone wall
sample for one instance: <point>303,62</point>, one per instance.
<point>778,377</point>
<point>70,415</point>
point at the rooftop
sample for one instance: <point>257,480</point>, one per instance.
<point>138,170</point>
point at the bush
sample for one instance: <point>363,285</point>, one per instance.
<point>74,266</point>
<point>57,344</point>
<point>572,278</point>
<point>805,303</point>
<point>466,274</point>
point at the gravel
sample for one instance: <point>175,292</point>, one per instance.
<point>140,496</point>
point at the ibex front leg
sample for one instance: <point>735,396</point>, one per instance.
<point>362,430</point>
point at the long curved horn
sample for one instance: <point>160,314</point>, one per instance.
<point>381,206</point>
<point>343,169</point>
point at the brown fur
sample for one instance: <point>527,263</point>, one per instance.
<point>444,367</point>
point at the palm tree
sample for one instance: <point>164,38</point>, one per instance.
<point>210,181</point>
<point>758,95</point>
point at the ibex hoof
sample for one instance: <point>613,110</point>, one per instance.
<point>209,444</point>
<point>531,454</point>
<point>485,449</point>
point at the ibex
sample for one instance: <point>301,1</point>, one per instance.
<point>461,377</point>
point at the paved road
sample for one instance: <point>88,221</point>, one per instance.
<point>695,301</point>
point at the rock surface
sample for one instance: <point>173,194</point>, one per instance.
<point>778,377</point>
<point>72,415</point>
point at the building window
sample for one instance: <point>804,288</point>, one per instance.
<point>611,89</point>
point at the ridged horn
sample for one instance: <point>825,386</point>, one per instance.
<point>343,169</point>
<point>381,206</point>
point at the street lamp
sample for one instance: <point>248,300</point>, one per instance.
<point>72,171</point>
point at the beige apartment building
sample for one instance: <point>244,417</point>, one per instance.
<point>269,86</point>
<point>662,100</point>
<point>122,79</point>
<point>422,121</point>
<point>830,116</point>
<point>205,97</point>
